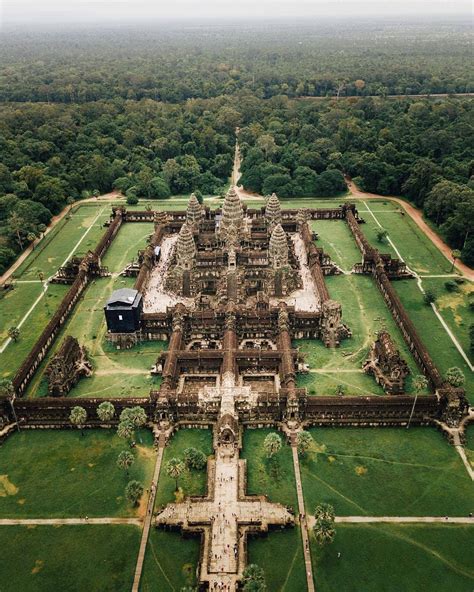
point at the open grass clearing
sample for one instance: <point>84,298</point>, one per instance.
<point>386,472</point>
<point>336,239</point>
<point>396,557</point>
<point>191,482</point>
<point>171,562</point>
<point>439,345</point>
<point>68,558</point>
<point>60,474</point>
<point>366,313</point>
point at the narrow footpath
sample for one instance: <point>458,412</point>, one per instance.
<point>148,518</point>
<point>303,522</point>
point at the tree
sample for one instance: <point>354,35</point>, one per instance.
<point>272,444</point>
<point>455,376</point>
<point>136,416</point>
<point>304,442</point>
<point>31,237</point>
<point>78,417</point>
<point>133,492</point>
<point>455,255</point>
<point>16,225</point>
<point>267,145</point>
<point>194,458</point>
<point>42,229</point>
<point>105,411</point>
<point>132,199</point>
<point>325,511</point>
<point>381,234</point>
<point>429,297</point>
<point>6,388</point>
<point>125,460</point>
<point>324,531</point>
<point>253,579</point>
<point>175,468</point>
<point>420,383</point>
<point>14,333</point>
<point>126,430</point>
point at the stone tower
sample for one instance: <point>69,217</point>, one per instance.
<point>231,226</point>
<point>273,211</point>
<point>185,248</point>
<point>194,212</point>
<point>278,248</point>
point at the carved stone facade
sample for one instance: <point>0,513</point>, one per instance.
<point>386,365</point>
<point>68,365</point>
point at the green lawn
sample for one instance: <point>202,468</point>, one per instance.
<point>68,558</point>
<point>391,558</point>
<point>276,477</point>
<point>191,482</point>
<point>365,312</point>
<point>280,554</point>
<point>433,334</point>
<point>454,308</point>
<point>116,372</point>
<point>170,563</point>
<point>336,239</point>
<point>48,473</point>
<point>386,472</point>
<point>469,447</point>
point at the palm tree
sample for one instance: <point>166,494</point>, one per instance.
<point>133,492</point>
<point>304,441</point>
<point>126,430</point>
<point>105,411</point>
<point>136,416</point>
<point>14,333</point>
<point>31,237</point>
<point>325,511</point>
<point>78,417</point>
<point>253,579</point>
<point>125,460</point>
<point>420,382</point>
<point>175,468</point>
<point>324,531</point>
<point>272,444</point>
<point>455,255</point>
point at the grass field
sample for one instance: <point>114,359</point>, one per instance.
<point>116,372</point>
<point>57,474</point>
<point>365,312</point>
<point>280,553</point>
<point>386,472</point>
<point>390,558</point>
<point>469,447</point>
<point>191,482</point>
<point>170,563</point>
<point>276,477</point>
<point>68,558</point>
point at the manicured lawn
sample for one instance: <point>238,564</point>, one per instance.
<point>469,446</point>
<point>191,482</point>
<point>276,477</point>
<point>433,334</point>
<point>280,554</point>
<point>365,312</point>
<point>386,472</point>
<point>68,558</point>
<point>48,473</point>
<point>454,308</point>
<point>170,562</point>
<point>85,225</point>
<point>336,239</point>
<point>13,307</point>
<point>398,557</point>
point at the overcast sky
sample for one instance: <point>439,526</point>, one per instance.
<point>49,11</point>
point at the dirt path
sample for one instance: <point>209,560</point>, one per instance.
<point>54,221</point>
<point>417,216</point>
<point>66,521</point>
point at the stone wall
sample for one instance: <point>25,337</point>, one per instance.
<point>44,342</point>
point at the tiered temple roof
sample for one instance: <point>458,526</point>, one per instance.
<point>278,247</point>
<point>231,225</point>
<point>194,211</point>
<point>185,247</point>
<point>273,211</point>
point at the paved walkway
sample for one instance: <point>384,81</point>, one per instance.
<point>67,521</point>
<point>400,520</point>
<point>148,519</point>
<point>304,522</point>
